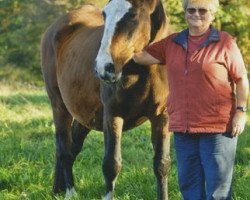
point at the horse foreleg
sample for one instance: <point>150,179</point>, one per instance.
<point>112,157</point>
<point>161,144</point>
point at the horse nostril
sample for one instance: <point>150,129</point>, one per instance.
<point>110,68</point>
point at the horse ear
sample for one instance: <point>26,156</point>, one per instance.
<point>151,5</point>
<point>158,21</point>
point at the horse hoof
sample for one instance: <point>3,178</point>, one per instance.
<point>70,193</point>
<point>109,196</point>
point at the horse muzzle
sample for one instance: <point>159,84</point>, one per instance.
<point>107,73</point>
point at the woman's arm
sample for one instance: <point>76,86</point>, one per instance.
<point>242,92</point>
<point>145,58</point>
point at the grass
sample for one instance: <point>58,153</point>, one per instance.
<point>27,153</point>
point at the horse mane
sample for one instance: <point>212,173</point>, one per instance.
<point>159,23</point>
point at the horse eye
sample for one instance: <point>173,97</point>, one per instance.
<point>132,15</point>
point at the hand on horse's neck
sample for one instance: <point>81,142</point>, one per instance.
<point>198,31</point>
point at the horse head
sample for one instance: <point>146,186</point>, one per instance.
<point>129,26</point>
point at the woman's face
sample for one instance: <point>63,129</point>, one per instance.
<point>198,16</point>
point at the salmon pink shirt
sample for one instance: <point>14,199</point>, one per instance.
<point>201,80</point>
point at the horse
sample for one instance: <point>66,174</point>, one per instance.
<point>94,84</point>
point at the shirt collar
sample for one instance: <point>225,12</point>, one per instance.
<point>182,38</point>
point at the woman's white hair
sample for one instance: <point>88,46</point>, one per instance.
<point>213,4</point>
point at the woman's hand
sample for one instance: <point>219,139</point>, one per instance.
<point>239,122</point>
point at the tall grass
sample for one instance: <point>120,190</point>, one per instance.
<point>27,154</point>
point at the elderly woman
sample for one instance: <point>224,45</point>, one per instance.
<point>204,68</point>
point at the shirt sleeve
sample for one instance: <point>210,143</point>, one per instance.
<point>234,60</point>
<point>157,50</point>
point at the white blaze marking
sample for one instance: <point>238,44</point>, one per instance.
<point>114,11</point>
<point>109,196</point>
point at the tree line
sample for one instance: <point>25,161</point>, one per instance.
<point>23,22</point>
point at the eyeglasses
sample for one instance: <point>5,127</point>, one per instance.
<point>201,11</point>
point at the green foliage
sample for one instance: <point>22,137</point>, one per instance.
<point>234,18</point>
<point>28,152</point>
<point>175,14</point>
<point>23,23</point>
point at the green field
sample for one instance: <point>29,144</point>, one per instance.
<point>27,153</point>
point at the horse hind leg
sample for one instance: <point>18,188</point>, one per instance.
<point>79,134</point>
<point>69,141</point>
<point>63,174</point>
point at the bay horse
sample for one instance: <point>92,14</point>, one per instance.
<point>94,84</point>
